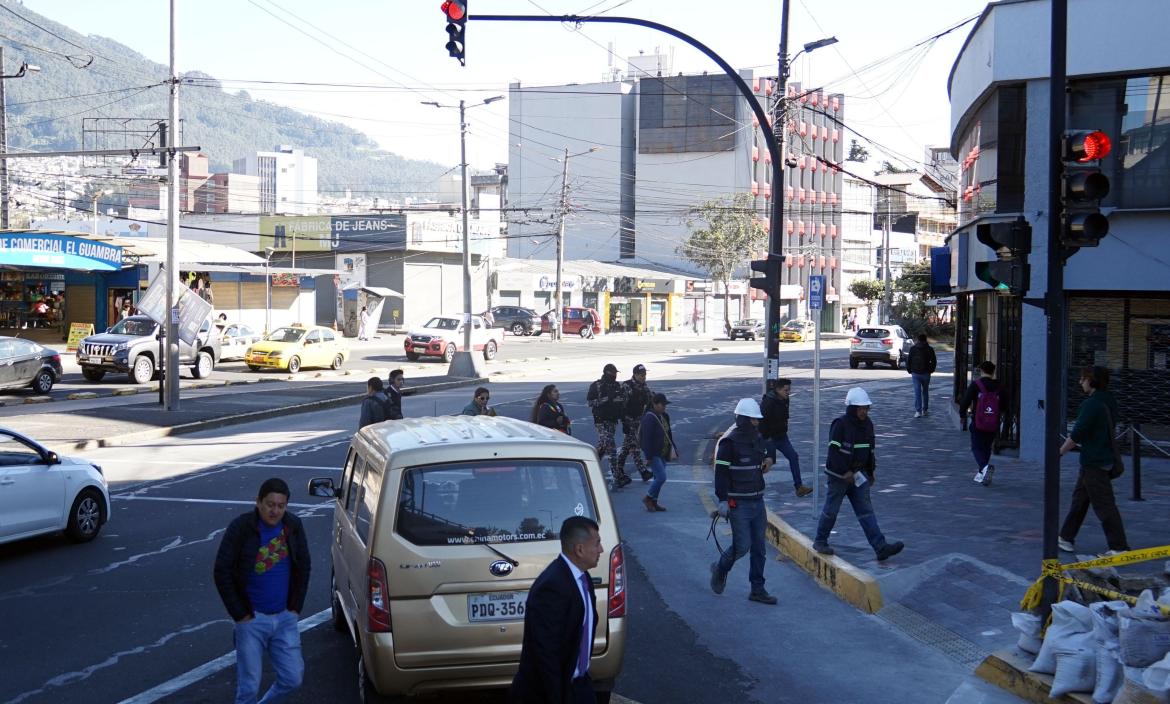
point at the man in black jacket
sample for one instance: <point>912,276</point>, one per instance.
<point>607,399</point>
<point>262,574</point>
<point>921,364</point>
<point>774,429</point>
<point>560,623</point>
<point>637,403</point>
<point>394,395</point>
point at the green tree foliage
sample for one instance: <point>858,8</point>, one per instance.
<point>45,111</point>
<point>910,309</point>
<point>868,290</point>
<point>725,232</point>
<point>857,152</point>
<point>888,168</point>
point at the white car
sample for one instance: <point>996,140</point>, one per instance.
<point>442,336</point>
<point>42,492</point>
<point>235,339</point>
<point>888,344</point>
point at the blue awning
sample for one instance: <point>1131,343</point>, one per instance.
<point>54,251</point>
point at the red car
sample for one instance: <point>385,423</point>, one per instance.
<point>573,322</point>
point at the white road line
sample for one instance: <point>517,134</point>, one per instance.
<point>209,668</point>
<point>287,466</point>
<point>225,502</point>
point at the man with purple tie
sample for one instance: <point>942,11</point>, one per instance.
<point>560,620</point>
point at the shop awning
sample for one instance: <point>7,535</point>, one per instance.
<point>380,291</point>
<point>261,269</point>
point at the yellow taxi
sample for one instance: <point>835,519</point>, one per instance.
<point>298,346</point>
<point>796,331</point>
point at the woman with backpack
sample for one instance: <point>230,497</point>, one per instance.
<point>548,411</point>
<point>983,401</point>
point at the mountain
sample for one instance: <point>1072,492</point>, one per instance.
<point>45,110</point>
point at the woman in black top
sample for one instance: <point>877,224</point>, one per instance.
<point>548,411</point>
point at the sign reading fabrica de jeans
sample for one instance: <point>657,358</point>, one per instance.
<point>58,252</point>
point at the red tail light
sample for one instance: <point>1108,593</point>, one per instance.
<point>617,583</point>
<point>855,341</point>
<point>378,598</point>
<point>56,359</point>
<point>888,342</point>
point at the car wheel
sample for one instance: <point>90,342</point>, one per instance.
<point>204,364</point>
<point>92,374</point>
<point>731,337</point>
<point>366,692</point>
<point>253,367</point>
<point>489,350</point>
<point>294,365</point>
<point>143,370</point>
<point>412,356</point>
<point>42,383</point>
<point>586,333</point>
<point>449,354</point>
<point>853,363</point>
<point>896,362</point>
<point>335,610</point>
<point>85,517</point>
<point>337,362</point>
<point>517,329</point>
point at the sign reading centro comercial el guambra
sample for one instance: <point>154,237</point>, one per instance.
<point>58,252</point>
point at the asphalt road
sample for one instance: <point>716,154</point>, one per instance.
<point>134,616</point>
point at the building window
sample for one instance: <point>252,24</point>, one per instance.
<point>1135,113</point>
<point>991,153</point>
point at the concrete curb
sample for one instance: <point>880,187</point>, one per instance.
<point>212,423</point>
<point>851,584</point>
<point>1008,669</point>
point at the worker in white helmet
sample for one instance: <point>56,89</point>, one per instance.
<point>850,468</point>
<point>741,461</point>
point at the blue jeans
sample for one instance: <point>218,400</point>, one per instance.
<point>862,507</point>
<point>784,446</point>
<point>921,392</point>
<point>658,467</point>
<point>747,519</point>
<point>277,635</point>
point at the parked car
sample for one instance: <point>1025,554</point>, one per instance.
<point>131,347</point>
<point>43,492</point>
<point>747,329</point>
<point>888,344</point>
<point>515,319</point>
<point>235,339</point>
<point>442,336</point>
<point>25,363</point>
<point>797,331</point>
<point>441,525</point>
<point>573,322</point>
<point>297,346</point>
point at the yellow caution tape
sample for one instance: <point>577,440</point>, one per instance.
<point>1053,569</point>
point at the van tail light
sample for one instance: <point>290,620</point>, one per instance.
<point>888,342</point>
<point>617,583</point>
<point>855,341</point>
<point>378,599</point>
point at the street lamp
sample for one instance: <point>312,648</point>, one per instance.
<point>268,252</point>
<point>557,304</point>
<point>464,364</point>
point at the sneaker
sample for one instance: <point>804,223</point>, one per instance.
<point>718,578</point>
<point>762,597</point>
<point>925,413</point>
<point>979,475</point>
<point>990,470</point>
<point>803,490</point>
<point>646,475</point>
<point>624,480</point>
<point>823,548</point>
<point>917,414</point>
<point>889,551</point>
<point>649,503</point>
<point>1065,545</point>
<point>1111,553</point>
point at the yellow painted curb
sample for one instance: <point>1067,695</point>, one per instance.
<point>125,392</point>
<point>1008,669</point>
<point>81,395</point>
<point>38,399</point>
<point>852,585</point>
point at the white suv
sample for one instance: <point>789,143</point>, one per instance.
<point>888,344</point>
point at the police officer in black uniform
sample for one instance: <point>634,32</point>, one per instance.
<point>741,461</point>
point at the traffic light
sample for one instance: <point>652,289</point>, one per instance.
<point>1083,185</point>
<point>1012,241</point>
<point>456,12</point>
<point>769,283</point>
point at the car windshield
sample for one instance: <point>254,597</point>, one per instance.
<point>492,502</point>
<point>286,335</point>
<point>443,323</point>
<point>794,324</point>
<point>873,333</point>
<point>136,327</point>
<point>745,323</point>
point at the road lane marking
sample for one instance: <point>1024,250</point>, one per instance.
<point>208,669</point>
<point>225,502</point>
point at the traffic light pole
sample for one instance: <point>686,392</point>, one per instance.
<point>775,244</point>
<point>776,222</point>
<point>1054,412</point>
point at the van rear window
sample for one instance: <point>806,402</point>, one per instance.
<point>492,502</point>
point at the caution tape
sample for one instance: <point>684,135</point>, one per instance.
<point>1054,570</point>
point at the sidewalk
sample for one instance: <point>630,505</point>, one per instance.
<point>971,551</point>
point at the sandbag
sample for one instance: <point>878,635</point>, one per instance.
<point>1029,627</point>
<point>1136,693</point>
<point>1076,671</point>
<point>1156,678</point>
<point>1144,641</point>
<point>1110,675</point>
<point>1072,628</point>
<point>1105,620</point>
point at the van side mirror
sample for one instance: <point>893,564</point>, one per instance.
<point>322,487</point>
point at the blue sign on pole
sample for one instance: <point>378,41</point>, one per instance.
<point>816,292</point>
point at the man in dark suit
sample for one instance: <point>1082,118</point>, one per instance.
<point>558,629</point>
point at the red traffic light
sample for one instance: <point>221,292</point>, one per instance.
<point>454,9</point>
<point>1086,145</point>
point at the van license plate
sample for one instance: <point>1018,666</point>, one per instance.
<point>496,606</point>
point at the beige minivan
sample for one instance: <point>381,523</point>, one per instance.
<point>440,527</point>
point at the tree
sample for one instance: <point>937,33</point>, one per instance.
<point>888,168</point>
<point>857,152</point>
<point>913,285</point>
<point>724,233</point>
<point>868,290</point>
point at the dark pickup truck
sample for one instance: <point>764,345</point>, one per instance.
<point>131,347</point>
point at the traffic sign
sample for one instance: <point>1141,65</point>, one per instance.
<point>816,292</point>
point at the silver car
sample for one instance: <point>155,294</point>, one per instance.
<point>748,329</point>
<point>888,344</point>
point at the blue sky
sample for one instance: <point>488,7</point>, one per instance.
<point>397,47</point>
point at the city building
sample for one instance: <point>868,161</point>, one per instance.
<point>1118,293</point>
<point>288,180</point>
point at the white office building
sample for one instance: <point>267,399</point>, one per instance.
<point>288,180</point>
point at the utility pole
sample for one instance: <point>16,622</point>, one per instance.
<point>466,232</point>
<point>561,246</point>
<point>4,193</point>
<point>171,365</point>
<point>888,289</point>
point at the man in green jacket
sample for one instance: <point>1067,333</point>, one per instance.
<point>1093,433</point>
